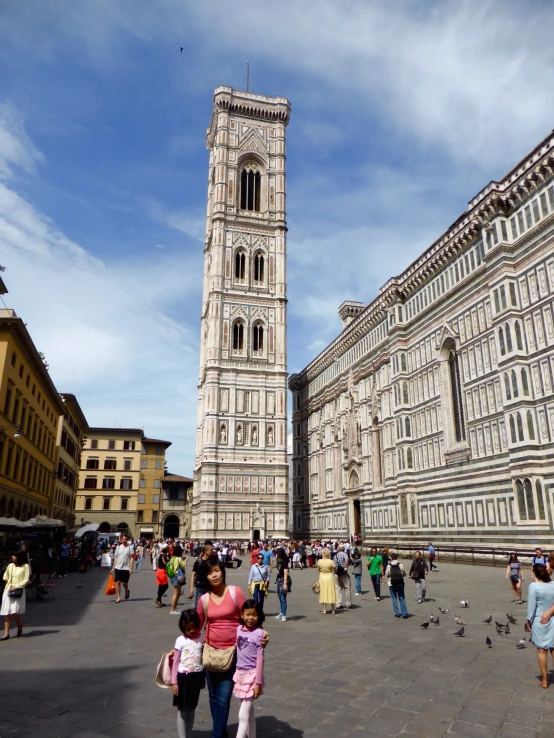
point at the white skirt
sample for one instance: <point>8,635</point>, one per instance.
<point>12,605</point>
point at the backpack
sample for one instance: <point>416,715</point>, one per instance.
<point>170,569</point>
<point>396,578</point>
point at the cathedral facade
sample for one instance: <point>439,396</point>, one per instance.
<point>431,415</point>
<point>240,476</point>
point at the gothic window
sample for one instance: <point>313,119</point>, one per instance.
<point>408,428</point>
<point>259,268</point>
<point>403,510</point>
<point>456,390</point>
<point>524,382</point>
<point>501,339</point>
<point>514,384</point>
<point>403,362</point>
<point>250,185</point>
<point>519,427</point>
<point>529,499</point>
<point>258,338</point>
<point>405,396</point>
<point>540,500</point>
<point>513,429</point>
<point>410,458</point>
<point>240,265</point>
<point>519,341</point>
<point>238,336</point>
<point>507,386</point>
<point>530,426</point>
<point>521,500</point>
<point>508,338</point>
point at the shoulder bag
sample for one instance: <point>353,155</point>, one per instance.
<point>216,659</point>
<point>15,593</point>
<point>163,672</point>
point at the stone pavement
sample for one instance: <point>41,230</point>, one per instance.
<point>86,666</point>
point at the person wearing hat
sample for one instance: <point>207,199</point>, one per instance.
<point>342,577</point>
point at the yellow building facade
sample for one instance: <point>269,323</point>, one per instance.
<point>30,410</point>
<point>152,468</point>
<point>72,427</point>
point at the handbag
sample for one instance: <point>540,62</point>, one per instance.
<point>15,593</point>
<point>216,659</point>
<point>163,672</point>
<point>316,589</point>
<point>110,586</point>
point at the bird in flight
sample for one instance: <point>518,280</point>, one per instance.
<point>181,49</point>
<point>488,642</point>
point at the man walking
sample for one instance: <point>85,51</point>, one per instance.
<point>418,570</point>
<point>376,572</point>
<point>342,578</point>
<point>396,573</point>
<point>122,568</point>
<point>432,557</point>
<point>199,578</point>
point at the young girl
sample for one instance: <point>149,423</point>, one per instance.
<point>162,581</point>
<point>187,675</point>
<point>249,676</point>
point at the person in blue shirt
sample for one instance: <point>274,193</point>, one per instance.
<point>268,556</point>
<point>432,558</point>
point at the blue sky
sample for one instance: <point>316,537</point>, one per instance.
<point>401,113</point>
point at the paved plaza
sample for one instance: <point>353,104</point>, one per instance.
<point>86,666</point>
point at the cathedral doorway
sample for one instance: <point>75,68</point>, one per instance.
<point>171,526</point>
<point>256,535</point>
<point>357,522</point>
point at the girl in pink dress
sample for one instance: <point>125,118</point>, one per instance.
<point>249,675</point>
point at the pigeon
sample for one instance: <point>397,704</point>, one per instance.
<point>443,610</point>
<point>436,620</point>
<point>488,642</point>
<point>488,621</point>
<point>459,620</point>
<point>500,631</point>
<point>464,603</point>
<point>499,625</point>
<point>507,629</point>
<point>460,633</point>
<point>78,586</point>
<point>511,618</point>
<point>521,643</point>
<point>431,618</point>
<point>424,625</point>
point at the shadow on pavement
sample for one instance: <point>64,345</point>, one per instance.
<point>267,726</point>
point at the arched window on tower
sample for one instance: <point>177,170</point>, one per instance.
<point>456,391</point>
<point>238,337</point>
<point>507,386</point>
<point>520,427</point>
<point>408,428</point>
<point>259,268</point>
<point>519,340</point>
<point>524,382</point>
<point>403,362</point>
<point>258,339</point>
<point>521,500</point>
<point>540,500</point>
<point>501,340</point>
<point>530,426</point>
<point>508,338</point>
<point>240,266</point>
<point>250,185</point>
<point>529,499</point>
<point>514,384</point>
<point>513,429</point>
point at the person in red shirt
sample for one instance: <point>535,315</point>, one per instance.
<point>161,579</point>
<point>254,553</point>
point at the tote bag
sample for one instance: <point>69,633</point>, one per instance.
<point>110,586</point>
<point>216,659</point>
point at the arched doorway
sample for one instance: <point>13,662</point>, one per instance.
<point>123,528</point>
<point>104,528</point>
<point>171,526</point>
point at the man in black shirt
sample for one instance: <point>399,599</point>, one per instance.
<point>200,573</point>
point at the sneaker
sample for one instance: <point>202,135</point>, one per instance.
<point>357,594</point>
<point>398,616</point>
<point>283,618</point>
<point>338,607</point>
<point>157,603</point>
<point>419,602</point>
<point>405,617</point>
<point>378,599</point>
<point>175,612</point>
<point>278,617</point>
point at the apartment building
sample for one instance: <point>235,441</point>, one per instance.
<point>72,427</point>
<point>152,470</point>
<point>30,410</point>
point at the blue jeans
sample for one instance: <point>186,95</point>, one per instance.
<point>376,581</point>
<point>220,688</point>
<point>283,602</point>
<point>259,596</point>
<point>399,606</point>
<point>198,594</point>
<point>358,583</point>
<point>139,563</point>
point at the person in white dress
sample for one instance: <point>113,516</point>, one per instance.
<point>16,576</point>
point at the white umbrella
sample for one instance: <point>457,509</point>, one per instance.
<point>11,523</point>
<point>89,528</point>
<point>43,522</point>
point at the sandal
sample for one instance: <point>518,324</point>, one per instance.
<point>544,685</point>
<point>116,602</point>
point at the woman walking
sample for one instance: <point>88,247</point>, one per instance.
<point>418,570</point>
<point>356,559</point>
<point>176,566</point>
<point>327,588</point>
<point>258,580</point>
<point>283,582</point>
<point>16,577</point>
<point>514,573</point>
<point>541,603</point>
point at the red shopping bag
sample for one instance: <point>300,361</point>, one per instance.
<point>110,586</point>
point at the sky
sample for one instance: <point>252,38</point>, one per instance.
<point>401,113</point>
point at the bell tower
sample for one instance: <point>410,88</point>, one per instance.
<point>241,473</point>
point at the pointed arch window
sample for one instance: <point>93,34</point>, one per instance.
<point>405,395</point>
<point>540,500</point>
<point>513,429</point>
<point>456,391</point>
<point>520,427</point>
<point>408,427</point>
<point>501,340</point>
<point>238,337</point>
<point>240,265</point>
<point>524,382</point>
<point>530,426</point>
<point>519,340</point>
<point>258,339</point>
<point>529,499</point>
<point>410,458</point>
<point>403,362</point>
<point>521,500</point>
<point>259,268</point>
<point>509,346</point>
<point>250,186</point>
<point>514,384</point>
<point>507,386</point>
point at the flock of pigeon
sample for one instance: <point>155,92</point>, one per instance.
<point>501,629</point>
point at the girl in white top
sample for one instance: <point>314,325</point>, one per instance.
<point>187,672</point>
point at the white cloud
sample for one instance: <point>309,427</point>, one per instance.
<point>105,327</point>
<point>16,148</point>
